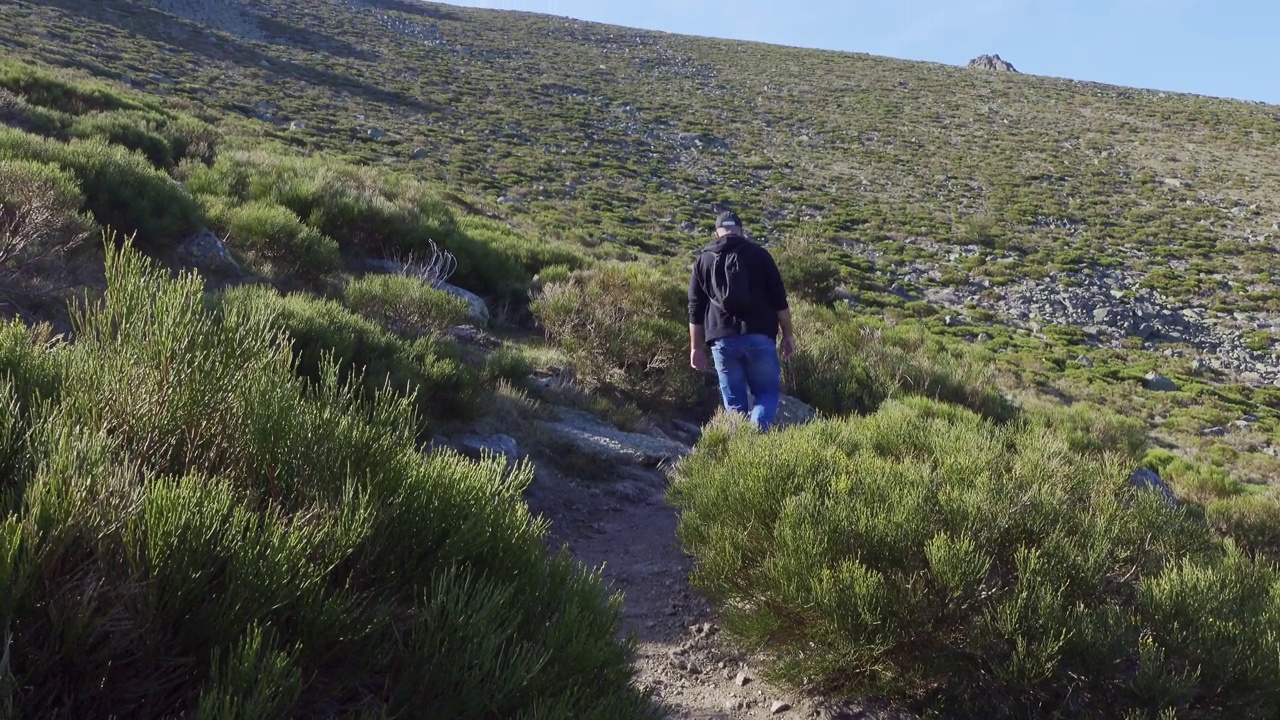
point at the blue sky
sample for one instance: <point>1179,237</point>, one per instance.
<point>1226,48</point>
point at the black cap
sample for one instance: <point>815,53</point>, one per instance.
<point>728,219</point>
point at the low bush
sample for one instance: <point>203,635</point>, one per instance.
<point>121,190</point>
<point>281,243</point>
<point>1253,521</point>
<point>405,305</point>
<point>41,222</point>
<point>29,375</point>
<point>47,104</point>
<point>50,90</point>
<point>625,328</point>
<point>205,535</point>
<point>16,112</point>
<point>365,354</point>
<point>531,254</point>
<point>808,270</point>
<point>132,130</point>
<point>1193,481</point>
<point>968,567</point>
<point>1093,429</point>
<point>845,364</point>
<point>509,365</point>
<point>377,214</point>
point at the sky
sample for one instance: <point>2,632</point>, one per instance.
<point>1223,48</point>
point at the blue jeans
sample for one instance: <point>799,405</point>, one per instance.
<point>749,362</point>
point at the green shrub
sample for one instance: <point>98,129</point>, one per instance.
<point>366,354</point>
<point>845,364</point>
<point>1252,520</point>
<point>17,112</point>
<point>1192,481</point>
<point>974,568</point>
<point>122,191</point>
<point>405,305</point>
<point>807,268</point>
<point>531,254</point>
<point>29,375</point>
<point>132,130</point>
<point>1093,429</point>
<point>166,140</point>
<point>40,220</point>
<point>981,230</point>
<point>277,239</point>
<point>625,328</point>
<point>47,89</point>
<point>509,364</point>
<point>206,535</point>
<point>385,215</point>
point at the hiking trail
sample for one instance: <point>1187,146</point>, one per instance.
<point>624,526</point>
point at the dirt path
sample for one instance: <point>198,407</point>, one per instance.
<point>627,527</point>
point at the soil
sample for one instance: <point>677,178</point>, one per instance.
<point>626,529</point>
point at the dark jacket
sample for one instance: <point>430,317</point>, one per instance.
<point>766,284</point>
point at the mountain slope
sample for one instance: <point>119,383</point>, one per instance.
<point>1023,252</point>
<point>993,197</point>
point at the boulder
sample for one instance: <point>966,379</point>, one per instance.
<point>791,411</point>
<point>1156,382</point>
<point>477,446</point>
<point>585,433</point>
<point>1147,479</point>
<point>479,310</point>
<point>206,252</point>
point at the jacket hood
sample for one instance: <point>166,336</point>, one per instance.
<point>720,244</point>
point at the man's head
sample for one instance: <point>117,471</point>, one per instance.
<point>728,224</point>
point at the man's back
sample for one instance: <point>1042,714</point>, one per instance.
<point>768,297</point>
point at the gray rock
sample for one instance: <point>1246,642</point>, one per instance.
<point>993,63</point>
<point>420,154</point>
<point>206,252</point>
<point>1214,432</point>
<point>1159,383</point>
<point>687,428</point>
<point>1147,479</point>
<point>1084,361</point>
<point>585,433</point>
<point>780,707</point>
<point>477,446</point>
<point>791,411</point>
<point>479,310</point>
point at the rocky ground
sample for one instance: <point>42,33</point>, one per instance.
<point>1110,306</point>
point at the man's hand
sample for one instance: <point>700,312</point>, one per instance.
<point>698,359</point>
<point>788,346</point>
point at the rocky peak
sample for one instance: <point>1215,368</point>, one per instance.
<point>992,62</point>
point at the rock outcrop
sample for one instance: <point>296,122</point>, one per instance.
<point>206,252</point>
<point>479,310</point>
<point>588,434</point>
<point>992,62</point>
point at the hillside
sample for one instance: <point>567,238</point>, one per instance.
<point>994,198</point>
<point>473,229</point>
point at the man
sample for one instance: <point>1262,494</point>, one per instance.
<point>736,305</point>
